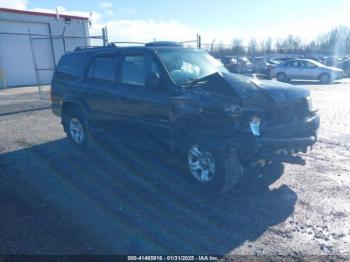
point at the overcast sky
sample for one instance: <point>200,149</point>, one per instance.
<point>144,20</point>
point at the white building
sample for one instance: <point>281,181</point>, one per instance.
<point>30,59</point>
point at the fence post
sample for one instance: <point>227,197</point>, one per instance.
<point>2,78</point>
<point>64,40</point>
<point>199,40</point>
<point>104,36</point>
<point>212,46</point>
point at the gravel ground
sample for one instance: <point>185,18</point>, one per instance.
<point>114,200</point>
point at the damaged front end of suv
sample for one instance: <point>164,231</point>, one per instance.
<point>262,120</point>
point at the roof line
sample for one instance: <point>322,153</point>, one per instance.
<point>16,11</point>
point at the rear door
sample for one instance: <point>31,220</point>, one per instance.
<point>292,69</point>
<point>102,92</point>
<point>146,109</point>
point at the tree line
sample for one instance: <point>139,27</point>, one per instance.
<point>334,42</point>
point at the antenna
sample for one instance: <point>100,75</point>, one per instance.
<point>90,19</point>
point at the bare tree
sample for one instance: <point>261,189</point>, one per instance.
<point>252,46</point>
<point>237,46</point>
<point>334,42</point>
<point>268,45</point>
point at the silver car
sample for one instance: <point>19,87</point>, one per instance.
<point>306,69</point>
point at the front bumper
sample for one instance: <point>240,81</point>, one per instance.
<point>290,138</point>
<point>304,128</point>
<point>338,75</point>
<point>303,141</point>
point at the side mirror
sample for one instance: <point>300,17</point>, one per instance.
<point>152,80</point>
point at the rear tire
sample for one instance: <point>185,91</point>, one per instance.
<point>282,77</point>
<point>76,128</point>
<point>325,78</point>
<point>215,179</point>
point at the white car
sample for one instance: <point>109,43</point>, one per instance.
<point>306,69</point>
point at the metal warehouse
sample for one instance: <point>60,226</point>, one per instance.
<point>31,44</point>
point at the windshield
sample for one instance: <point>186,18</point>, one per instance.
<point>186,65</point>
<point>316,63</point>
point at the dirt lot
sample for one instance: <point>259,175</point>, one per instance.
<point>55,200</point>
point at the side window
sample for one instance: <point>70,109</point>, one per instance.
<point>293,64</point>
<point>135,68</point>
<point>303,64</point>
<point>103,68</point>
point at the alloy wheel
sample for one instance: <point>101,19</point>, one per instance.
<point>201,164</point>
<point>76,130</point>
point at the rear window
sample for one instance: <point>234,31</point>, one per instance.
<point>73,65</point>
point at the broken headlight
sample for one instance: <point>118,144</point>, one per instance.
<point>309,103</point>
<point>255,125</point>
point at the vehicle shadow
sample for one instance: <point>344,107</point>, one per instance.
<point>115,200</point>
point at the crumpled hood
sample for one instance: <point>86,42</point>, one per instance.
<point>279,92</point>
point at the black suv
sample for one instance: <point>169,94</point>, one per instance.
<point>167,98</point>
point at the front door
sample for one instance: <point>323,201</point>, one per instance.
<point>146,109</point>
<point>308,70</point>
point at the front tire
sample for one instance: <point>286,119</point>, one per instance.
<point>213,171</point>
<point>282,77</point>
<point>76,129</point>
<point>325,78</point>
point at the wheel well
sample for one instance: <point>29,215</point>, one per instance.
<point>324,73</point>
<point>68,106</point>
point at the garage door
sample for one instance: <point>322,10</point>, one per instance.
<point>17,55</point>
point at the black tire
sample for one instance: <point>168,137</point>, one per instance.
<point>325,78</point>
<point>76,115</point>
<point>228,170</point>
<point>264,175</point>
<point>282,77</point>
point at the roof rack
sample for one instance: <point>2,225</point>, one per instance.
<point>89,47</point>
<point>150,44</point>
<point>164,43</point>
<point>114,43</point>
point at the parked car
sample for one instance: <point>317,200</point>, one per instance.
<point>274,62</point>
<point>306,69</point>
<point>331,60</point>
<point>228,60</point>
<point>345,65</point>
<point>239,65</point>
<point>262,66</point>
<point>173,100</point>
<point>245,66</point>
